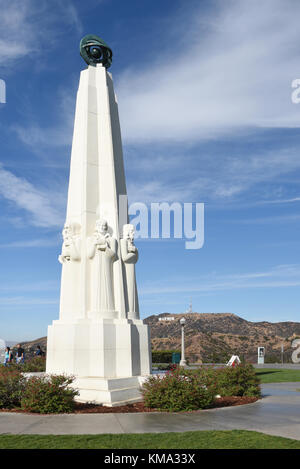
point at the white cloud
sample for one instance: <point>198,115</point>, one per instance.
<point>281,276</point>
<point>38,286</point>
<point>24,301</point>
<point>42,207</point>
<point>39,139</point>
<point>32,243</point>
<point>202,176</point>
<point>27,26</point>
<point>277,219</point>
<point>281,201</point>
<point>230,71</point>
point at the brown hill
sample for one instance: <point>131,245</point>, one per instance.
<point>214,337</point>
<point>31,346</point>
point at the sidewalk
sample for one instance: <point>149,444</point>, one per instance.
<point>278,413</point>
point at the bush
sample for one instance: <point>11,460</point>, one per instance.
<point>12,385</point>
<point>163,356</point>
<point>237,381</point>
<point>182,389</point>
<point>218,357</point>
<point>49,394</point>
<point>35,365</point>
<point>161,367</point>
<point>178,390</point>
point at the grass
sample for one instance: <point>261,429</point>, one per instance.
<point>274,375</point>
<point>235,439</point>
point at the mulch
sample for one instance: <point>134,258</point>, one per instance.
<point>140,407</point>
<point>233,401</point>
<point>81,408</point>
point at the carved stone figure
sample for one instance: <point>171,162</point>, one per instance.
<point>70,276</point>
<point>102,249</point>
<point>130,257</point>
<point>71,243</point>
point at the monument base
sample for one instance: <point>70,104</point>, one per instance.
<point>109,392</point>
<point>108,357</point>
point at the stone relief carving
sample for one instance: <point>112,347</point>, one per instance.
<point>71,243</point>
<point>130,257</point>
<point>102,249</point>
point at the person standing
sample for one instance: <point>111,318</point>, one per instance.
<point>20,356</point>
<point>8,356</point>
<point>39,352</point>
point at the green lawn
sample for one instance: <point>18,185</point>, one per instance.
<point>273,375</point>
<point>235,439</point>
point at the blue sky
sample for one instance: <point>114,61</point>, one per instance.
<point>204,91</point>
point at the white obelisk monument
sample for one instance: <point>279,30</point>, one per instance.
<point>99,336</point>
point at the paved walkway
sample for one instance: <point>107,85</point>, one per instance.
<point>278,413</point>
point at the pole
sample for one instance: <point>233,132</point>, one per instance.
<point>182,361</point>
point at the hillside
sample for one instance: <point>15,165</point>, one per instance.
<point>214,337</point>
<point>31,346</point>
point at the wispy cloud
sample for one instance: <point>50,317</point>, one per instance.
<point>27,26</point>
<point>281,276</point>
<point>290,218</point>
<point>43,208</point>
<point>38,286</point>
<point>24,301</point>
<point>201,175</point>
<point>32,243</point>
<point>38,137</point>
<point>230,71</point>
<point>280,201</point>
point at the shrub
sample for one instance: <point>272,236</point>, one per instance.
<point>218,357</point>
<point>12,385</point>
<point>163,356</point>
<point>237,381</point>
<point>36,364</point>
<point>49,394</point>
<point>161,367</point>
<point>178,390</point>
<point>182,389</point>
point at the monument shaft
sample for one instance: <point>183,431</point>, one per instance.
<point>97,174</point>
<point>99,336</point>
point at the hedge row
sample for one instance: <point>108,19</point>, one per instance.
<point>163,356</point>
<point>185,390</point>
<point>47,394</point>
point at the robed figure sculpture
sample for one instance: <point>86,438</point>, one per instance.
<point>102,250</point>
<point>70,275</point>
<point>130,257</point>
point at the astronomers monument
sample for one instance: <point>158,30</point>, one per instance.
<point>99,336</point>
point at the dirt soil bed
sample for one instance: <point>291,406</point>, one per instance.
<point>81,408</point>
<point>139,406</point>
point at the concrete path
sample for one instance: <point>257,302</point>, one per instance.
<point>278,413</point>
